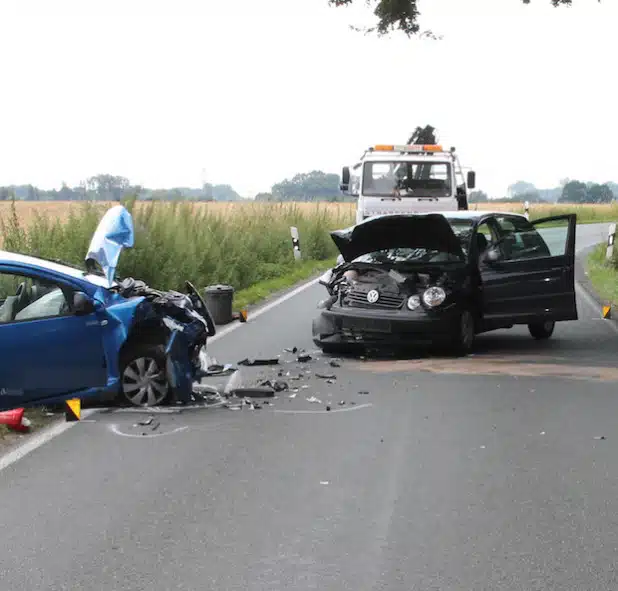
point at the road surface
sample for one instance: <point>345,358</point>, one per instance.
<point>442,476</point>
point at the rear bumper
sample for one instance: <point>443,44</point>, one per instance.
<point>358,326</point>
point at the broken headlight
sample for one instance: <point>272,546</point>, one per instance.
<point>434,296</point>
<point>414,302</point>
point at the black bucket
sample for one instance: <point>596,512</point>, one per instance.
<point>219,299</point>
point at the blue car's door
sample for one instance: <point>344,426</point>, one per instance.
<point>47,347</point>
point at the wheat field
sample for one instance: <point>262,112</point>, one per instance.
<point>60,210</point>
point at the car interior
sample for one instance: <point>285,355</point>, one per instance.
<point>33,299</point>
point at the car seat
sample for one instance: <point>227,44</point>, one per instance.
<point>481,243</point>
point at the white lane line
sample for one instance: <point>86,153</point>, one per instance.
<point>326,412</point>
<point>227,330</point>
<point>48,434</point>
<point>114,429</point>
<point>38,440</point>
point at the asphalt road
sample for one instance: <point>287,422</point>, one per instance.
<point>443,477</point>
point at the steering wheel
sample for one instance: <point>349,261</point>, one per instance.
<point>202,308</point>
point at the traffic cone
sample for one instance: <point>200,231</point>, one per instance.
<point>15,420</point>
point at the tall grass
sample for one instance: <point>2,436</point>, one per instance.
<point>179,241</point>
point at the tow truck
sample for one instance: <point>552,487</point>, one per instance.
<point>408,178</point>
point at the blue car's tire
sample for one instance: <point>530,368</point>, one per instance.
<point>143,377</point>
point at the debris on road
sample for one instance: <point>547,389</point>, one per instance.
<point>253,362</point>
<point>328,408</point>
<point>334,363</point>
<point>364,393</point>
<point>292,350</point>
<point>254,392</point>
<point>324,482</point>
<point>342,403</point>
<point>313,399</point>
<point>600,437</point>
<point>326,376</point>
<point>304,358</point>
<point>146,422</point>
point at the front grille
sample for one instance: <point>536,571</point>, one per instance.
<point>357,298</point>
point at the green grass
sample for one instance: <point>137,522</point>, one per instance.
<point>249,248</point>
<point>262,290</point>
<point>603,274</point>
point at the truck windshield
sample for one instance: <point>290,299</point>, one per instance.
<point>407,179</point>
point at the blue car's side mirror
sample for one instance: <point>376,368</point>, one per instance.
<point>82,304</point>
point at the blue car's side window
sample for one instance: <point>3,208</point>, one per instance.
<point>27,298</point>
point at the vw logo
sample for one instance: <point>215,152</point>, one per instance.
<point>373,296</point>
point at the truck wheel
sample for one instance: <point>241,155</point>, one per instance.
<point>542,330</point>
<point>143,377</point>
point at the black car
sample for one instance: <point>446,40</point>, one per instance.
<point>442,278</point>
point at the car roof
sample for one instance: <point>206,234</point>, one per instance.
<point>476,214</point>
<point>31,261</point>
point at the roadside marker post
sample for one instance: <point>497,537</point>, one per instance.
<point>527,209</point>
<point>295,242</point>
<point>73,409</point>
<point>611,236</point>
<point>607,312</point>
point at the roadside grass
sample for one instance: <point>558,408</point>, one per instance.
<point>243,246</point>
<point>603,274</point>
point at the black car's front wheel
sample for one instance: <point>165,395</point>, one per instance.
<point>143,378</point>
<point>465,332</point>
<point>542,330</point>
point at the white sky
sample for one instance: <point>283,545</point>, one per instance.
<point>253,91</point>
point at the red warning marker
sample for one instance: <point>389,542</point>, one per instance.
<point>15,420</point>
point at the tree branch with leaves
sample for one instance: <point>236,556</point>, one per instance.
<point>404,15</point>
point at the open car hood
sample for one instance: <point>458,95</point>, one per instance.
<point>397,231</point>
<point>114,232</point>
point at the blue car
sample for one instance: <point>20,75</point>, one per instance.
<point>67,332</point>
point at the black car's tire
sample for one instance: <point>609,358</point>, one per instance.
<point>542,330</point>
<point>143,377</point>
<point>464,333</point>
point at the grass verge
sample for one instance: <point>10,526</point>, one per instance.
<point>264,289</point>
<point>603,275</point>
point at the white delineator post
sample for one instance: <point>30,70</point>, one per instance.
<point>295,242</point>
<point>611,235</point>
<point>527,209</point>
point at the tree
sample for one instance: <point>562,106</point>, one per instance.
<point>108,187</point>
<point>404,14</point>
<point>310,186</point>
<point>478,197</point>
<point>600,193</point>
<point>519,188</point>
<point>574,192</point>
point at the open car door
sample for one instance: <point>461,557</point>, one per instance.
<point>528,275</point>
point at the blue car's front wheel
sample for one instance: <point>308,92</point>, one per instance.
<point>143,379</point>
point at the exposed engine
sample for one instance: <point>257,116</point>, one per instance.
<point>351,286</point>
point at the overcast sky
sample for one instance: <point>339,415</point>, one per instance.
<point>174,92</point>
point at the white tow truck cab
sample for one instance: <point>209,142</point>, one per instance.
<point>410,178</point>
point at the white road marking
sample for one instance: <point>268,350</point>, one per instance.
<point>319,412</point>
<point>114,429</point>
<point>39,439</point>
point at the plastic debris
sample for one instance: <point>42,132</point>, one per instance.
<point>254,362</point>
<point>328,408</point>
<point>341,402</point>
<point>364,393</point>
<point>292,350</point>
<point>304,358</point>
<point>146,422</point>
<point>334,363</point>
<point>314,399</point>
<point>292,395</point>
<point>254,392</point>
<point>600,437</point>
<point>324,482</point>
<point>326,376</point>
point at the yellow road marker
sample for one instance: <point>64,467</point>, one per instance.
<point>73,409</point>
<point>607,312</point>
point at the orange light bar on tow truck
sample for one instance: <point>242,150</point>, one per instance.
<point>408,148</point>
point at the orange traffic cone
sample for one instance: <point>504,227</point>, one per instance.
<point>15,420</point>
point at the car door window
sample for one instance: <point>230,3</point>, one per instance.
<point>519,240</point>
<point>25,298</point>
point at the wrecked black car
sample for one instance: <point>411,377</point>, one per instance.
<point>70,332</point>
<point>442,278</point>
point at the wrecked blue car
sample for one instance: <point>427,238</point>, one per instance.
<point>67,332</point>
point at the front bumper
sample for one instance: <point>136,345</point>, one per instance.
<point>339,326</point>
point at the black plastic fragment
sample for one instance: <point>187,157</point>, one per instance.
<point>364,393</point>
<point>146,422</point>
<point>254,362</point>
<point>292,350</point>
<point>328,408</point>
<point>254,392</point>
<point>334,363</point>
<point>304,358</point>
<point>326,376</point>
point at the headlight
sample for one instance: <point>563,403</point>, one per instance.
<point>434,296</point>
<point>414,302</point>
